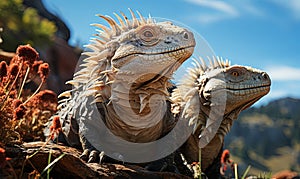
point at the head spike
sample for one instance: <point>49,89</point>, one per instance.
<point>105,31</point>
<point>135,22</point>
<point>228,62</point>
<point>196,62</point>
<point>215,62</point>
<point>96,40</point>
<point>220,62</point>
<point>150,20</point>
<point>211,64</point>
<point>93,47</point>
<point>114,26</point>
<point>142,20</point>
<point>123,26</point>
<point>128,25</point>
<point>204,66</point>
<point>103,36</point>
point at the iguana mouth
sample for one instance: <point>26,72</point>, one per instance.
<point>168,71</point>
<point>262,87</point>
<point>250,88</point>
<point>172,50</point>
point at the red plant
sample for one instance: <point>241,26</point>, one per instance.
<point>13,70</point>
<point>3,69</point>
<point>23,112</point>
<point>225,162</point>
<point>43,71</point>
<point>19,112</point>
<point>16,103</point>
<point>3,158</point>
<point>26,54</point>
<point>55,128</point>
<point>225,156</point>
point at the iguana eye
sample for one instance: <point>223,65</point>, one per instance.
<point>148,35</point>
<point>235,73</point>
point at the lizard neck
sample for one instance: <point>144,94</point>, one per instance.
<point>138,108</point>
<point>211,151</point>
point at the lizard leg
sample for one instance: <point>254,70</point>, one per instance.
<point>89,154</point>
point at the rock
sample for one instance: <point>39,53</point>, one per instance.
<point>34,157</point>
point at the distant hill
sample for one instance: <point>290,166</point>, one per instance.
<point>268,137</point>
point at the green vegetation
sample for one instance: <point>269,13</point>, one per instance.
<point>23,25</point>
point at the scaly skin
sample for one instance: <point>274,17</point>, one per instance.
<point>210,99</point>
<point>127,74</point>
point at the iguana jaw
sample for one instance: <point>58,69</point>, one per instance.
<point>257,92</point>
<point>167,52</point>
<point>166,72</point>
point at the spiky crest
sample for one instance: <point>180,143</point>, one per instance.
<point>96,65</point>
<point>200,67</point>
<point>190,81</point>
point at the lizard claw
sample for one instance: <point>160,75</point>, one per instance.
<point>93,156</point>
<point>85,154</point>
<point>101,157</point>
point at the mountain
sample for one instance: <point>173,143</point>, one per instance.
<point>267,137</point>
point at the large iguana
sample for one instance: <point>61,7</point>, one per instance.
<point>210,98</point>
<point>126,74</point>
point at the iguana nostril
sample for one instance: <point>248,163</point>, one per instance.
<point>185,35</point>
<point>265,76</point>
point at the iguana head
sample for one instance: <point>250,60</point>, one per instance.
<point>151,51</point>
<point>138,51</point>
<point>211,97</point>
<point>242,85</point>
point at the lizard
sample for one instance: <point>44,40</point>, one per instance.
<point>210,98</point>
<point>126,73</point>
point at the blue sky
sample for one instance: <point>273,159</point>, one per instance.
<point>262,34</point>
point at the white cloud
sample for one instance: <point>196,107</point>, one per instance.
<point>284,73</point>
<point>217,5</point>
<point>250,8</point>
<point>281,89</point>
<point>293,6</point>
<point>222,10</point>
<point>211,18</point>
<point>232,9</point>
<point>285,83</point>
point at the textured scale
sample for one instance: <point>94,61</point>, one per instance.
<point>189,90</point>
<point>126,70</point>
<point>210,97</point>
<point>95,66</point>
